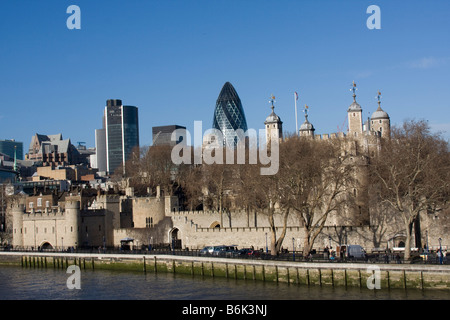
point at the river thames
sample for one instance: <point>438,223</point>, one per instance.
<point>51,284</point>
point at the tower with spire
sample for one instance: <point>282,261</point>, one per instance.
<point>306,129</point>
<point>273,124</point>
<point>380,121</point>
<point>354,116</point>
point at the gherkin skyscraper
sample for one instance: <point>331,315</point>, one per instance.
<point>229,115</point>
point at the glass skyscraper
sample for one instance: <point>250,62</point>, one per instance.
<point>11,147</point>
<point>121,125</point>
<point>229,115</point>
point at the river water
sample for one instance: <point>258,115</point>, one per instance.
<point>17,283</point>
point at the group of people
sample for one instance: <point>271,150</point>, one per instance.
<point>329,253</point>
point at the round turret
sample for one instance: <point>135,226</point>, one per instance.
<point>72,221</point>
<point>17,212</point>
<point>380,121</point>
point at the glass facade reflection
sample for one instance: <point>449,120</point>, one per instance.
<point>229,115</point>
<point>122,133</point>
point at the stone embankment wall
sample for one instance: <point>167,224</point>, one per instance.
<point>294,273</point>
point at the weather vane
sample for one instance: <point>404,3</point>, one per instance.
<point>272,100</point>
<point>379,97</point>
<point>354,88</point>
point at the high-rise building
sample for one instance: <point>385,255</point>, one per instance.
<point>229,115</point>
<point>120,136</point>
<point>12,148</point>
<point>162,135</point>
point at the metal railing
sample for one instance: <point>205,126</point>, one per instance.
<point>390,258</point>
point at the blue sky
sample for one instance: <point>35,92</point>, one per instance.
<point>171,58</point>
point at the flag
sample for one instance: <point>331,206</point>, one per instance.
<point>296,95</point>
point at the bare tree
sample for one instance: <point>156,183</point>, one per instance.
<point>412,169</point>
<point>316,176</point>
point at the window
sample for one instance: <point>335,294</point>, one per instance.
<point>47,204</point>
<point>39,202</point>
<point>31,205</point>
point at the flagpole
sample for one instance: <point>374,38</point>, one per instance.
<point>296,121</point>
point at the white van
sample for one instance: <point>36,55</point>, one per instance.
<point>352,251</point>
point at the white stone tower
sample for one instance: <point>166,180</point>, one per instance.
<point>306,129</point>
<point>354,116</point>
<point>17,212</point>
<point>380,121</point>
<point>72,221</point>
<point>274,125</point>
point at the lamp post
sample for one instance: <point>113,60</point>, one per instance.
<point>329,239</point>
<point>440,251</point>
<point>62,243</point>
<point>293,249</point>
<point>267,249</point>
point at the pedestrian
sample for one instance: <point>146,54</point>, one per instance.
<point>326,253</point>
<point>386,257</point>
<point>397,257</point>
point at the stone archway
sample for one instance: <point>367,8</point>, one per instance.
<point>215,224</point>
<point>175,239</point>
<point>46,246</point>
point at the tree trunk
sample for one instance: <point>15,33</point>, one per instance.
<point>307,246</point>
<point>407,255</point>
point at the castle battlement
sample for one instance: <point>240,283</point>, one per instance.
<point>329,136</point>
<point>193,213</point>
<point>43,215</point>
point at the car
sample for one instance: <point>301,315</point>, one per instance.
<point>224,251</point>
<point>206,251</point>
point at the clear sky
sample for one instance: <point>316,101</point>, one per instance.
<point>170,58</point>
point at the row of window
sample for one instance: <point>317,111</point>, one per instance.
<point>53,229</point>
<point>39,203</point>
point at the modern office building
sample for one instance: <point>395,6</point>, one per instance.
<point>229,115</point>
<point>119,136</point>
<point>11,148</point>
<point>162,135</point>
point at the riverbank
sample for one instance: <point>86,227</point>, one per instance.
<point>363,275</point>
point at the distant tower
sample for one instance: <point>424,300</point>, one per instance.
<point>229,115</point>
<point>354,116</point>
<point>380,121</point>
<point>274,125</point>
<point>306,129</point>
<point>120,137</point>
